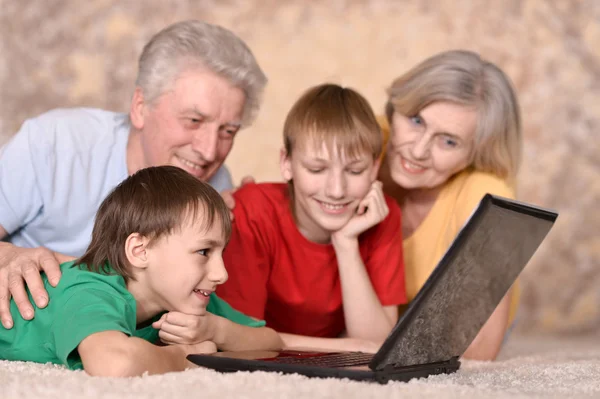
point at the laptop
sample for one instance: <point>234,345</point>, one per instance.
<point>440,323</point>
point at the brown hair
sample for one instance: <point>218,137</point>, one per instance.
<point>463,77</point>
<point>152,202</point>
<point>336,116</point>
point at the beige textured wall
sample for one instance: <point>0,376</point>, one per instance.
<point>62,53</point>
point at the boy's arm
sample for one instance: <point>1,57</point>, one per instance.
<point>371,293</point>
<point>488,341</point>
<point>365,316</point>
<point>301,342</point>
<point>231,336</point>
<point>114,354</point>
<point>177,328</point>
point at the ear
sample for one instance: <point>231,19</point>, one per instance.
<point>137,109</point>
<point>375,170</point>
<point>136,247</point>
<point>285,164</point>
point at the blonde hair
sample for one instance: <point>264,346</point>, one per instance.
<point>337,116</point>
<point>197,44</point>
<point>463,77</point>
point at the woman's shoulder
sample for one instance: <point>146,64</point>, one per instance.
<point>475,183</point>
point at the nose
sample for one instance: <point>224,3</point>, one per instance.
<point>205,142</point>
<point>420,148</point>
<point>217,273</point>
<point>335,185</point>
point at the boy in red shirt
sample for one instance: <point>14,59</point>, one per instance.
<point>320,258</point>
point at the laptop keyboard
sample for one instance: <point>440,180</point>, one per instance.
<point>336,359</point>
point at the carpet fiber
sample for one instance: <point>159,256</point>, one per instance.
<point>529,367</point>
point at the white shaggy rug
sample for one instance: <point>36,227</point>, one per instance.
<point>529,367</point>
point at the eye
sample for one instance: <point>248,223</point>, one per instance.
<point>448,142</point>
<point>416,120</point>
<point>356,172</point>
<point>203,252</point>
<point>229,131</point>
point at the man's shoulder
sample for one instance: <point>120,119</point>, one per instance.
<point>79,124</point>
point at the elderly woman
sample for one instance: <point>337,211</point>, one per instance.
<point>454,134</point>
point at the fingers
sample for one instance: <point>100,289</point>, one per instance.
<point>158,323</point>
<point>171,339</point>
<point>5,316</point>
<point>17,290</point>
<point>182,319</point>
<point>247,180</point>
<point>51,267</point>
<point>36,286</point>
<point>228,198</point>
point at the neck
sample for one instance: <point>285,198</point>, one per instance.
<point>146,306</point>
<point>309,229</point>
<point>135,155</point>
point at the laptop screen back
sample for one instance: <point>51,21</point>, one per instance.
<point>468,283</point>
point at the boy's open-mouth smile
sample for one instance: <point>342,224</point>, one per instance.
<point>203,294</point>
<point>331,208</point>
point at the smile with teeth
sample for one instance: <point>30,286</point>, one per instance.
<point>411,167</point>
<point>203,292</point>
<point>190,164</point>
<point>333,208</point>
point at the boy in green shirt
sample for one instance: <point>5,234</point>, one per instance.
<point>156,247</point>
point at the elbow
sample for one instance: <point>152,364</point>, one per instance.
<point>274,341</point>
<point>117,363</point>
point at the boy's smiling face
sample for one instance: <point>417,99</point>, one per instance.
<point>327,187</point>
<point>183,268</point>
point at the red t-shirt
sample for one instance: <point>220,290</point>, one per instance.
<point>277,275</point>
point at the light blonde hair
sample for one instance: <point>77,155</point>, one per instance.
<point>197,44</point>
<point>337,116</point>
<point>463,77</point>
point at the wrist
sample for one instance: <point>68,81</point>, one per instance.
<point>344,243</point>
<point>219,330</point>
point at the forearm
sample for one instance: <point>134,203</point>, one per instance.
<point>230,336</point>
<point>301,342</point>
<point>114,354</point>
<point>364,315</point>
<point>488,342</point>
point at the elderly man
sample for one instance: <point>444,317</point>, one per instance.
<point>197,85</point>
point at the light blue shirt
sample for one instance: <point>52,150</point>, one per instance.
<point>55,172</point>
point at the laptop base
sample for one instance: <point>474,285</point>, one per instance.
<point>389,372</point>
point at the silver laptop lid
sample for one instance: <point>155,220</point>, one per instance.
<point>468,283</point>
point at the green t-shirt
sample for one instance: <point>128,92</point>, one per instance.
<point>82,304</point>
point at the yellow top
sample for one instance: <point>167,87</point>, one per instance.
<point>455,203</point>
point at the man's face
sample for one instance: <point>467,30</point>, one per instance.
<point>192,125</point>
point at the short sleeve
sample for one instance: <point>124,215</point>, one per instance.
<point>384,262</point>
<point>476,186</point>
<point>219,307</point>
<point>221,181</point>
<point>247,255</point>
<point>86,312</point>
<point>20,198</point>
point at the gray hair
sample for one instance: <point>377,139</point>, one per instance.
<point>463,77</point>
<point>195,43</point>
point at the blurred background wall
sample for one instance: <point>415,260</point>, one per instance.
<point>68,53</point>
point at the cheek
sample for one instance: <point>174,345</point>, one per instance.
<point>450,163</point>
<point>224,147</point>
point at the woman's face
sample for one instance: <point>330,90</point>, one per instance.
<point>426,149</point>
